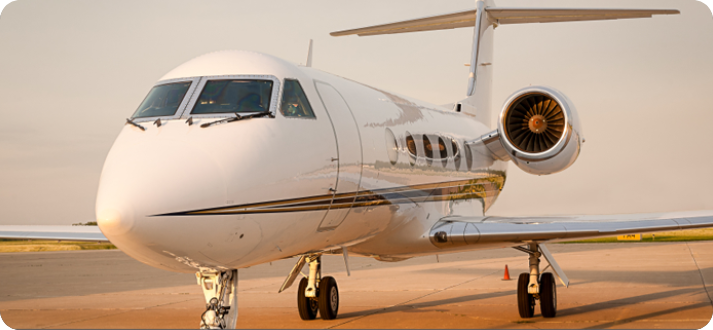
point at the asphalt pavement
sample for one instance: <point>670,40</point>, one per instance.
<point>613,285</point>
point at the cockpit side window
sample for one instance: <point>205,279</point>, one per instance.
<point>163,100</point>
<point>234,95</point>
<point>294,101</point>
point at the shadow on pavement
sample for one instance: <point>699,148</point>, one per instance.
<point>648,316</point>
<point>412,306</point>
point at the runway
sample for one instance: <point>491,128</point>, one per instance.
<point>645,285</point>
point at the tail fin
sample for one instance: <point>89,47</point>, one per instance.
<point>484,19</point>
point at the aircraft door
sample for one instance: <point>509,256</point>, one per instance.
<point>349,155</point>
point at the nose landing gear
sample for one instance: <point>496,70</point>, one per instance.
<point>315,294</point>
<point>220,289</point>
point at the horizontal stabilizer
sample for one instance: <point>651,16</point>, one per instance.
<point>526,15</point>
<point>438,22</point>
<point>504,16</point>
<point>65,233</point>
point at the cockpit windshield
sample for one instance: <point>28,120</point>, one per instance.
<point>294,101</point>
<point>163,100</point>
<point>235,95</point>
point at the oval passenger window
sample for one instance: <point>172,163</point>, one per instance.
<point>456,153</point>
<point>392,147</point>
<point>442,148</point>
<point>411,145</point>
<point>427,147</point>
<point>443,151</point>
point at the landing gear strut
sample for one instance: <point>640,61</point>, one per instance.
<point>533,286</point>
<point>308,307</point>
<point>315,294</point>
<point>220,289</point>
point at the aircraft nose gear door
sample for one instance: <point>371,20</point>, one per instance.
<point>349,155</point>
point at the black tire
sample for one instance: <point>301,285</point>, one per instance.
<point>308,307</point>
<point>525,301</point>
<point>328,298</point>
<point>548,295</point>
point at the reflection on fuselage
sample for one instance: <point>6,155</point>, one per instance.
<point>337,164</point>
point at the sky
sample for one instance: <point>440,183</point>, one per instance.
<point>71,71</point>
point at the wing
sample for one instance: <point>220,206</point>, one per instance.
<point>477,230</point>
<point>65,233</point>
<point>503,16</point>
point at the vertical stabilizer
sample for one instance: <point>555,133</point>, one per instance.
<point>484,19</point>
<point>480,78</point>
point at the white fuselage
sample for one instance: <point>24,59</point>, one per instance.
<point>182,197</point>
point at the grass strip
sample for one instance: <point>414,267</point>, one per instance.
<point>7,246</point>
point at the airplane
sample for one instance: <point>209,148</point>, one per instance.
<point>238,158</point>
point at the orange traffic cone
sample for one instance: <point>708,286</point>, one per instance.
<point>506,277</point>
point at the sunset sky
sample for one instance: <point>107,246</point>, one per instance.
<point>72,71</point>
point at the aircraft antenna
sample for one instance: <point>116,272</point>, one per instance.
<point>309,55</point>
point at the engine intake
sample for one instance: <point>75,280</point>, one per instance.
<point>534,123</point>
<point>539,130</point>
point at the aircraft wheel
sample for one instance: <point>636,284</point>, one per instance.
<point>308,307</point>
<point>525,301</point>
<point>548,295</point>
<point>328,298</point>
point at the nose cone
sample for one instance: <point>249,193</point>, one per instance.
<point>111,221</point>
<point>147,175</point>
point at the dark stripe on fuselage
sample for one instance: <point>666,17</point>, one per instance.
<point>453,190</point>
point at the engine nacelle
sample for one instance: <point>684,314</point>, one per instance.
<point>539,130</point>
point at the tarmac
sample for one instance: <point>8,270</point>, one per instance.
<point>613,285</point>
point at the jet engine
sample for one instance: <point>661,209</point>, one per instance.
<point>538,130</point>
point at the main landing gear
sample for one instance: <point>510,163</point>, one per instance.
<point>315,294</point>
<point>535,286</point>
<point>220,289</point>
